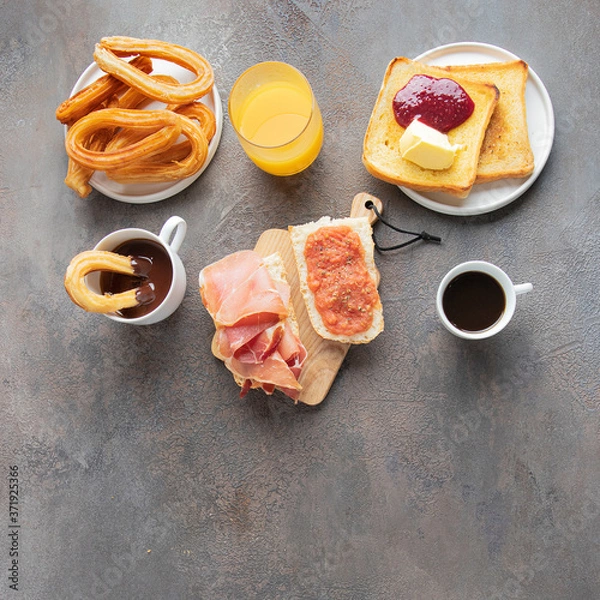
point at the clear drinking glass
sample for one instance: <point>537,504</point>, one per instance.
<point>276,118</point>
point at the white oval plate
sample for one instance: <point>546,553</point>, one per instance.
<point>486,197</point>
<point>145,193</point>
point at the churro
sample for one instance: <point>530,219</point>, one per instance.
<point>93,95</point>
<point>164,127</point>
<point>108,55</point>
<point>100,260</point>
<point>164,166</point>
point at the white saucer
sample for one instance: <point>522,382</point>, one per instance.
<point>145,193</point>
<point>487,197</point>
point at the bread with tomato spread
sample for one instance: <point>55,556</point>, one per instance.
<point>338,278</point>
<point>381,148</point>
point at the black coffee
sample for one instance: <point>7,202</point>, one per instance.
<point>473,301</point>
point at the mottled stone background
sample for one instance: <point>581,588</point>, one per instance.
<point>435,469</point>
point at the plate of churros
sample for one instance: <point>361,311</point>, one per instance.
<point>139,126</point>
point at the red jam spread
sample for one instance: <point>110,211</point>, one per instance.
<point>440,103</point>
<point>344,291</point>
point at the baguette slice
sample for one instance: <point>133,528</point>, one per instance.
<point>506,151</point>
<point>276,268</point>
<point>381,151</point>
<point>361,226</point>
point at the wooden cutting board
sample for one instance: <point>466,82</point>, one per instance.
<point>325,357</point>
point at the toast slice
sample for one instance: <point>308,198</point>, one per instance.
<point>506,151</point>
<point>381,152</point>
<point>350,306</point>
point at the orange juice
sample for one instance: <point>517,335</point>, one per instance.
<point>274,114</point>
<point>276,117</point>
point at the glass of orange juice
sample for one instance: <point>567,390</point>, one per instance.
<point>276,118</point>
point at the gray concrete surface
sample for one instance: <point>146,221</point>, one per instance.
<point>435,469</point>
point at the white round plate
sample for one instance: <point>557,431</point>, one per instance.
<point>145,193</point>
<point>486,197</point>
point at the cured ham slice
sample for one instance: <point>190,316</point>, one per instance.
<point>248,291</point>
<point>262,346</point>
<point>219,280</point>
<point>256,336</point>
<point>292,350</point>
<point>273,370</point>
<point>241,334</point>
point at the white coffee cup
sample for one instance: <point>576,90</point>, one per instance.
<point>510,290</point>
<point>170,238</point>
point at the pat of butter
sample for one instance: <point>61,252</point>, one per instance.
<point>427,147</point>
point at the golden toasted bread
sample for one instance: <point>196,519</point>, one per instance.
<point>381,152</point>
<point>505,151</point>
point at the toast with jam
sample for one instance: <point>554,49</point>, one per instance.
<point>506,151</point>
<point>381,148</point>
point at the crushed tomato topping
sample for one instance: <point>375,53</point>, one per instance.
<point>344,291</point>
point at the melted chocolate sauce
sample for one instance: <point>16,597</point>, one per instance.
<point>440,103</point>
<point>152,279</point>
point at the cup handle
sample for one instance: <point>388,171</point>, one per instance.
<point>523,288</point>
<point>174,227</point>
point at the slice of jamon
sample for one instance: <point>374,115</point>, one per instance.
<point>273,371</point>
<point>243,332</point>
<point>239,286</point>
<point>262,346</point>
<point>292,350</point>
<point>255,351</point>
<point>280,365</point>
<point>248,298</point>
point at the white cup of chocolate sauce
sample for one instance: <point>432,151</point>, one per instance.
<point>167,273</point>
<point>476,300</point>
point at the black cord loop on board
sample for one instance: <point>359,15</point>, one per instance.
<point>426,237</point>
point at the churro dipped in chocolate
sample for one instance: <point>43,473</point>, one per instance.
<point>100,260</point>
